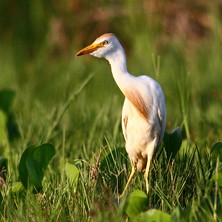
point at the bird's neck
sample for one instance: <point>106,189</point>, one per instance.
<point>119,70</point>
<point>127,82</point>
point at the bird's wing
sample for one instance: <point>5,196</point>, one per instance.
<point>124,120</point>
<point>137,100</point>
<point>156,104</point>
<point>162,118</point>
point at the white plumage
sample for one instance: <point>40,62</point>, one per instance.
<point>144,110</point>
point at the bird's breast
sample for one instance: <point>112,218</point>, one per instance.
<point>137,134</point>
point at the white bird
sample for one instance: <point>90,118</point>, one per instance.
<point>144,109</point>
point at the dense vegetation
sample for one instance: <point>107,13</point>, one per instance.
<point>62,155</point>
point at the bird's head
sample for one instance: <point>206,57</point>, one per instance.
<point>103,47</point>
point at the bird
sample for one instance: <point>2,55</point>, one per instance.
<point>144,107</point>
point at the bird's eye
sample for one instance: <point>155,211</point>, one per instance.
<point>105,42</point>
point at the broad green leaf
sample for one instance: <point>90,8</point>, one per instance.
<point>33,164</point>
<point>35,172</point>
<point>12,127</point>
<point>4,144</point>
<point>37,163</point>
<point>23,172</point>
<point>72,173</point>
<point>154,216</point>
<point>172,142</point>
<point>136,203</point>
<point>216,150</point>
<point>17,187</point>
<point>6,99</point>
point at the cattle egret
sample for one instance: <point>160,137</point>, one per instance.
<point>144,109</point>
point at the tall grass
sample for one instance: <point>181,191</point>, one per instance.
<point>75,105</point>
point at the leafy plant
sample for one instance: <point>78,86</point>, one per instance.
<point>4,143</point>
<point>154,216</point>
<point>172,142</point>
<point>72,173</point>
<point>33,164</point>
<point>6,99</point>
<point>135,203</point>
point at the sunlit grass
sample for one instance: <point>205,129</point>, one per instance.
<point>75,105</point>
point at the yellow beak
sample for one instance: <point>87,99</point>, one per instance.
<point>91,48</point>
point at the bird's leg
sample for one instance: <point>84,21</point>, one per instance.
<point>146,174</point>
<point>129,180</point>
<point>151,149</point>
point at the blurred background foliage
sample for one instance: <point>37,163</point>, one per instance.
<point>179,43</point>
<point>47,95</point>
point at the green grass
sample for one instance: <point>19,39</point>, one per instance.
<point>75,105</point>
